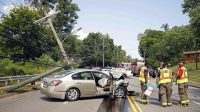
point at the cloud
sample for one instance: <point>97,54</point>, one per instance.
<point>81,35</point>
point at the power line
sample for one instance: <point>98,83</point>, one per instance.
<point>22,43</point>
<point>3,14</point>
<point>42,50</point>
<point>3,3</point>
<point>23,60</point>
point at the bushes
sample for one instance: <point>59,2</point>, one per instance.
<point>11,68</point>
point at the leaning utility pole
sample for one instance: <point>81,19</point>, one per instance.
<point>66,60</point>
<point>48,19</point>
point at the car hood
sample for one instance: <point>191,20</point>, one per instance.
<point>117,75</point>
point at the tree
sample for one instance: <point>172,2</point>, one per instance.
<point>165,27</point>
<point>65,21</point>
<point>166,46</point>
<point>92,51</point>
<point>21,37</point>
<point>192,8</point>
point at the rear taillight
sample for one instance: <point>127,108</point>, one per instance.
<point>55,82</point>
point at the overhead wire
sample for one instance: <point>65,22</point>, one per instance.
<point>20,32</point>
<point>3,3</point>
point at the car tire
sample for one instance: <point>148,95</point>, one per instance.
<point>120,92</point>
<point>72,94</point>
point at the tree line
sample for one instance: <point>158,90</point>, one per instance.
<point>169,44</point>
<point>21,40</point>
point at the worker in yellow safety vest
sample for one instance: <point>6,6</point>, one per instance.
<point>182,80</point>
<point>144,82</point>
<point>157,79</point>
<point>165,83</point>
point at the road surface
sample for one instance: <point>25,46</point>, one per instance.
<point>36,102</point>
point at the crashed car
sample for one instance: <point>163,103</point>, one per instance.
<point>76,83</point>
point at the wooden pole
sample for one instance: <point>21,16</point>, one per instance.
<point>33,79</point>
<point>66,60</point>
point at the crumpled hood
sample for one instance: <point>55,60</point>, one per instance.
<point>117,75</point>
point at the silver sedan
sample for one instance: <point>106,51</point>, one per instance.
<point>75,83</point>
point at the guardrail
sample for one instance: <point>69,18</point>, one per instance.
<point>18,78</point>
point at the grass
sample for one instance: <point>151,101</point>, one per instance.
<point>194,75</point>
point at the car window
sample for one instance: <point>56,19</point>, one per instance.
<point>100,75</point>
<point>83,76</point>
<point>60,74</point>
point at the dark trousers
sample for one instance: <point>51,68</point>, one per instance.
<point>166,93</point>
<point>183,92</point>
<point>143,96</point>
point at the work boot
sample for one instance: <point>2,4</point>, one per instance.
<point>169,104</point>
<point>187,102</point>
<point>182,104</point>
<point>145,102</point>
<point>164,104</point>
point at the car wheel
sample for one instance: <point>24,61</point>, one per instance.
<point>72,94</point>
<point>120,92</point>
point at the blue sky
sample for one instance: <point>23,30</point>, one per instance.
<point>123,20</point>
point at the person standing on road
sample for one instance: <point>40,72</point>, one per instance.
<point>144,82</point>
<point>182,80</point>
<point>165,83</point>
<point>157,79</point>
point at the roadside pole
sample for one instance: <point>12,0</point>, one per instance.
<point>196,54</point>
<point>66,60</point>
<point>103,52</point>
<point>48,19</point>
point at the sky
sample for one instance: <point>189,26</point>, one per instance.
<point>123,20</point>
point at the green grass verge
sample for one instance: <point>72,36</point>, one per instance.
<point>194,77</point>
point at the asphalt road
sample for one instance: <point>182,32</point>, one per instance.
<point>36,102</point>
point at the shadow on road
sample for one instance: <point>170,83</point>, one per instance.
<point>154,101</point>
<point>46,98</point>
<point>51,99</point>
<point>95,97</point>
<point>112,105</point>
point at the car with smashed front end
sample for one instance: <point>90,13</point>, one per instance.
<point>76,83</point>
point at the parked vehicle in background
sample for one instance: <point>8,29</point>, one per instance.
<point>107,70</point>
<point>97,68</point>
<point>76,83</point>
<point>135,66</point>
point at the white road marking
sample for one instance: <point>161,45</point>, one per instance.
<point>196,102</point>
<point>65,102</point>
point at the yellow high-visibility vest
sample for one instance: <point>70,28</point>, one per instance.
<point>184,77</point>
<point>165,76</point>
<point>142,78</point>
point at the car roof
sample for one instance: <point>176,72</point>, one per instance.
<point>83,70</point>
